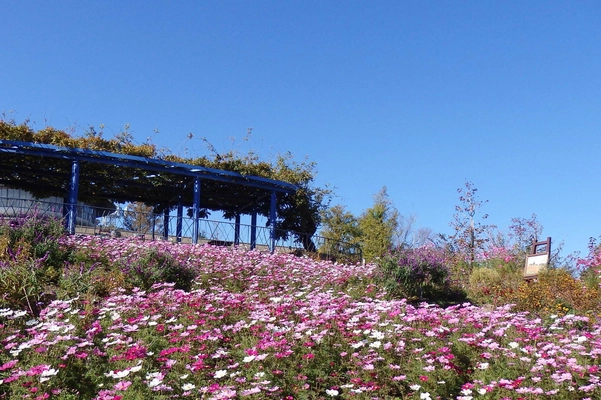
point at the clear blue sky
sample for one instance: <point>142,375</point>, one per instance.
<point>418,96</point>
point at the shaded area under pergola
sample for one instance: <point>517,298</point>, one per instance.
<point>100,178</point>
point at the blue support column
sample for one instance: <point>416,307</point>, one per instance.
<point>237,231</point>
<point>65,211</point>
<point>195,210</point>
<point>272,223</point>
<point>72,205</point>
<point>166,223</point>
<point>154,222</point>
<point>178,225</point>
<point>253,230</point>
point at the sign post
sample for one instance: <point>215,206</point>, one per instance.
<point>538,259</point>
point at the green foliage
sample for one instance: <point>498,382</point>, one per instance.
<point>415,273</point>
<point>378,225</point>
<point>90,280</point>
<point>339,226</point>
<point>23,285</point>
<point>591,278</point>
<point>556,291</point>
<point>30,261</point>
<point>154,266</point>
<point>33,236</point>
<point>495,284</point>
<point>300,212</point>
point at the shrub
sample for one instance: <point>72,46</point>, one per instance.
<point>495,281</point>
<point>482,284</point>
<point>30,261</point>
<point>154,266</point>
<point>414,272</point>
<point>556,291</point>
<point>34,235</point>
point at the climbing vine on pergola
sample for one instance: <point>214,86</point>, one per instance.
<point>117,170</point>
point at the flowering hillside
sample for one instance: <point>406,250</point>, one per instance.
<point>255,325</point>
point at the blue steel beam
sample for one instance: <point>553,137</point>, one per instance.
<point>73,191</point>
<point>237,230</point>
<point>195,210</point>
<point>272,217</point>
<point>166,223</point>
<point>154,222</point>
<point>178,223</point>
<point>148,164</point>
<point>253,230</point>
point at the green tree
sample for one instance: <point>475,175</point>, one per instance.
<point>378,225</point>
<point>302,211</point>
<point>339,225</point>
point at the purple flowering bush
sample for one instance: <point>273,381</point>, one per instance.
<point>256,325</point>
<point>415,272</point>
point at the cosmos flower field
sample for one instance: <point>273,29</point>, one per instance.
<point>256,325</point>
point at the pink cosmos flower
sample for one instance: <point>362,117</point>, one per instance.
<point>123,385</point>
<point>249,392</point>
<point>37,370</point>
<point>8,365</point>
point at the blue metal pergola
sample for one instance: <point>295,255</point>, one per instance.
<point>199,174</point>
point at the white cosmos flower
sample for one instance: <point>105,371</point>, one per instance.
<point>377,335</point>
<point>220,374</point>
<point>47,374</point>
<point>50,372</point>
<point>151,375</point>
<point>332,392</point>
<point>154,382</point>
<point>118,374</point>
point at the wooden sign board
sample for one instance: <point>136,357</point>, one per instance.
<point>538,259</point>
